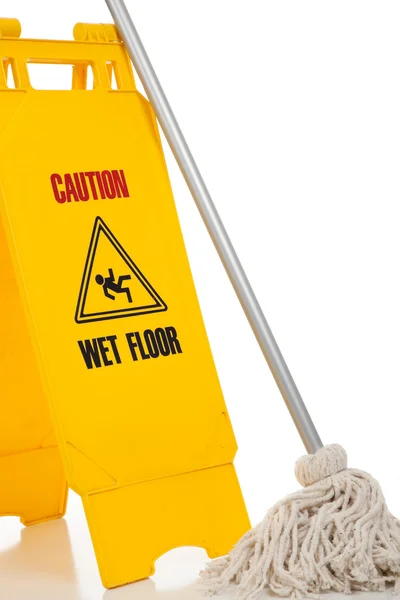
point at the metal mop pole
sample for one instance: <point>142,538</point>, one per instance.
<point>215,227</point>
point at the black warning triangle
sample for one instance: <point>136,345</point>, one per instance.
<point>112,284</point>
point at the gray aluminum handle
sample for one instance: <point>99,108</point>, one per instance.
<point>215,227</point>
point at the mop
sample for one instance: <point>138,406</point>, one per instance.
<point>337,532</point>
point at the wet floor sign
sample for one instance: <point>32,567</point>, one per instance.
<point>100,321</point>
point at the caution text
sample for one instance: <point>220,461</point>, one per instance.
<point>89,185</point>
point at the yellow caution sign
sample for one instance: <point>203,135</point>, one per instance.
<point>106,293</point>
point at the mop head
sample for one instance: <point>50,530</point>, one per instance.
<point>335,534</point>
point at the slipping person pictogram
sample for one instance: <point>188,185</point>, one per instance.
<point>109,284</point>
<point>131,292</point>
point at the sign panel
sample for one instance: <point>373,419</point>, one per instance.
<point>102,271</point>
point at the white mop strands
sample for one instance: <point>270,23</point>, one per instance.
<point>335,534</point>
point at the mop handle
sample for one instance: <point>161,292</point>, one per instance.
<point>215,227</point>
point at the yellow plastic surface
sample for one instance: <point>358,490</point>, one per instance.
<point>108,296</point>
<point>32,480</point>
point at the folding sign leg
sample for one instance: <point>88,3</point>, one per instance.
<point>32,480</point>
<point>32,486</point>
<point>133,526</point>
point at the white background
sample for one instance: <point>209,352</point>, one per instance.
<point>292,110</point>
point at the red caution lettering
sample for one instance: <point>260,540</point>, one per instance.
<point>89,185</point>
